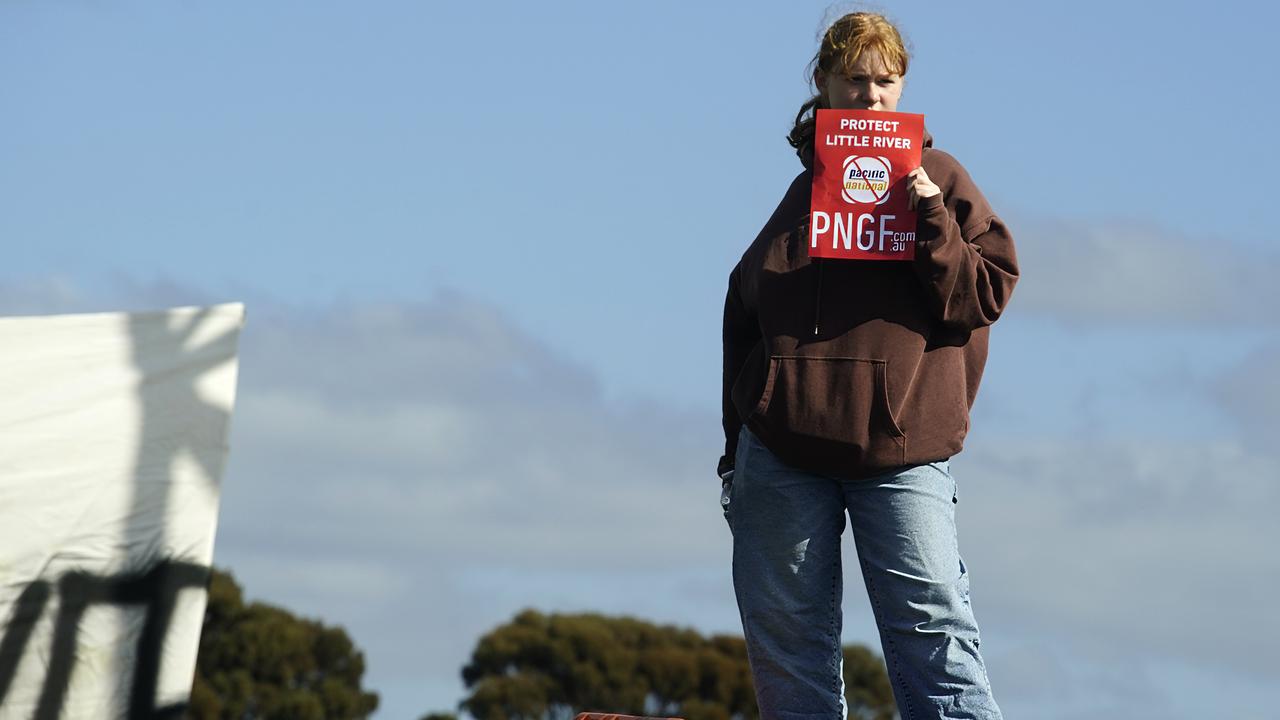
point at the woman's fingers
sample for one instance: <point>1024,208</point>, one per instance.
<point>913,192</point>
<point>920,186</point>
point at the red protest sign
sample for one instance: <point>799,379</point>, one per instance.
<point>859,208</point>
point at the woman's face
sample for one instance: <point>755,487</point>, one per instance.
<point>869,86</point>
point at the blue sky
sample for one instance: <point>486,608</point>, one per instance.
<point>484,249</point>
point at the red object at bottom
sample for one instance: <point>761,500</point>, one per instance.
<point>615,716</point>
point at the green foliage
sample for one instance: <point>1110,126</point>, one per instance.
<point>550,667</point>
<point>259,662</point>
<point>866,685</point>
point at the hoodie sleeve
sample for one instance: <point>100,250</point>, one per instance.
<point>965,257</point>
<point>741,335</point>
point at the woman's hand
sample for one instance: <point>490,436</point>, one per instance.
<point>920,186</point>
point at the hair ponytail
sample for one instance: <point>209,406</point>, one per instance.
<point>806,121</point>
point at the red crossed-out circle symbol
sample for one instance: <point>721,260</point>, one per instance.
<point>871,171</point>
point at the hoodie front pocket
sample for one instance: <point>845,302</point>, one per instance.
<point>831,406</point>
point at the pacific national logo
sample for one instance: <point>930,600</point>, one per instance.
<point>866,179</point>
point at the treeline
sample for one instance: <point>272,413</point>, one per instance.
<point>260,662</point>
<point>550,667</point>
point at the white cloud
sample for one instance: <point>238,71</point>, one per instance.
<point>1146,546</point>
<point>1250,394</point>
<point>421,425</point>
<point>37,296</point>
<point>1121,273</point>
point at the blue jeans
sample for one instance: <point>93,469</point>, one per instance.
<point>786,526</point>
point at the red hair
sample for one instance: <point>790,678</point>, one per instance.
<point>842,44</point>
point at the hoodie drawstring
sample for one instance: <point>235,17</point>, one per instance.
<point>817,299</point>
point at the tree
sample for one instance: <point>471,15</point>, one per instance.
<point>866,685</point>
<point>550,667</point>
<point>259,662</point>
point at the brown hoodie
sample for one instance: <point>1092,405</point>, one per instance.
<point>851,367</point>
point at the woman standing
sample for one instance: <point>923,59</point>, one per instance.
<point>847,386</point>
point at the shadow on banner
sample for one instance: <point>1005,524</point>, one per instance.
<point>113,438</point>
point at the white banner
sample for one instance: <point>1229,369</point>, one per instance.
<point>113,436</point>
